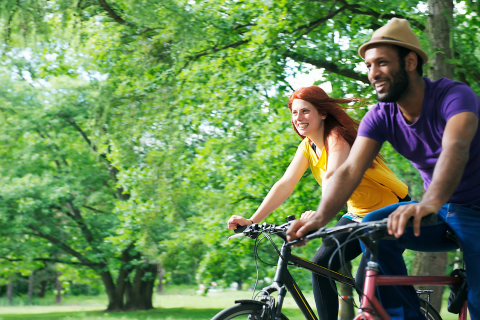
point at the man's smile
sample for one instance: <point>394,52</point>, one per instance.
<point>379,85</point>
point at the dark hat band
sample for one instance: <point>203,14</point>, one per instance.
<point>384,38</point>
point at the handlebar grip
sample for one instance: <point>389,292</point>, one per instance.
<point>240,229</point>
<point>431,219</point>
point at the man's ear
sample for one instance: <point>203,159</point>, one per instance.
<point>411,61</point>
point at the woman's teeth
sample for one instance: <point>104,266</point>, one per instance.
<point>303,125</point>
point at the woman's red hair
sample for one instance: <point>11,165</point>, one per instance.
<point>337,122</point>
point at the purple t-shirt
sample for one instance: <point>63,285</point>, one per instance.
<point>421,141</point>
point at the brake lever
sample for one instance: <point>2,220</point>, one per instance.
<point>239,232</point>
<point>251,231</point>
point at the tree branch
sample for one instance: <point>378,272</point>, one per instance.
<point>355,8</point>
<point>314,24</point>
<point>56,148</point>
<point>112,13</point>
<point>112,169</point>
<point>96,210</point>
<point>247,198</point>
<point>65,247</point>
<point>53,260</point>
<point>329,66</point>
<point>87,233</point>
<point>214,49</point>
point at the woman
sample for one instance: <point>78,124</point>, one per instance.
<point>328,134</point>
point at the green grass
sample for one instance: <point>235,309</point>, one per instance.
<point>176,303</point>
<point>156,314</point>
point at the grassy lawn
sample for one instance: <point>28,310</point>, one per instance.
<point>177,303</point>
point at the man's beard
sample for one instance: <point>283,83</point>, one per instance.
<point>398,87</point>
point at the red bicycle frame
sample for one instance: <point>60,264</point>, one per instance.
<point>371,307</point>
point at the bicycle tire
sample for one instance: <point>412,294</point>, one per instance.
<point>432,313</point>
<point>240,311</point>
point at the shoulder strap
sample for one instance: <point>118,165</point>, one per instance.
<point>314,147</point>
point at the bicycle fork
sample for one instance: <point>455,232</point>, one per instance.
<point>282,282</point>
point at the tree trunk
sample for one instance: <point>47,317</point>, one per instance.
<point>128,295</point>
<point>240,283</point>
<point>10,291</point>
<point>43,289</point>
<point>149,285</point>
<point>115,303</point>
<point>30,287</point>
<point>142,287</point>
<point>161,273</point>
<point>439,25</point>
<point>58,288</point>
<point>431,264</point>
<point>346,304</point>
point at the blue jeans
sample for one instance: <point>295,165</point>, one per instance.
<point>401,302</point>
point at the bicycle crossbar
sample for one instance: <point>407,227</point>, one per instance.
<point>322,271</point>
<point>416,280</point>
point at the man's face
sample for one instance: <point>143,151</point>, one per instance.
<point>385,73</point>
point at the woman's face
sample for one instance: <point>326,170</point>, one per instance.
<point>306,118</point>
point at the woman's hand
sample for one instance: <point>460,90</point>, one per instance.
<point>307,214</point>
<point>236,221</point>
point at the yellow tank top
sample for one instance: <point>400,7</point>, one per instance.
<point>379,186</point>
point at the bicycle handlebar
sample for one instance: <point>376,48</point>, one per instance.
<point>370,226</point>
<point>254,230</point>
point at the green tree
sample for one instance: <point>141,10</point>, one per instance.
<point>189,106</point>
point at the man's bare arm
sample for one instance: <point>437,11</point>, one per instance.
<point>341,186</point>
<point>459,133</point>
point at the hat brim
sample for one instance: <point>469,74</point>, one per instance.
<point>417,50</point>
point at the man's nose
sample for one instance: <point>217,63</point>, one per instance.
<point>373,73</point>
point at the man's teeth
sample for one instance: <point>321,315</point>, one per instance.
<point>302,125</point>
<point>379,84</point>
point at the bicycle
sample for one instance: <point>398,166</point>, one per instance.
<point>267,307</point>
<point>370,233</point>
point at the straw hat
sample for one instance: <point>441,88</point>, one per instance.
<point>397,32</point>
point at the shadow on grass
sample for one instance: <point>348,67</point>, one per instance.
<point>155,314</point>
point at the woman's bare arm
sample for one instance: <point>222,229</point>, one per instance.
<point>278,194</point>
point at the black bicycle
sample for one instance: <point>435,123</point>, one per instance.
<point>267,307</point>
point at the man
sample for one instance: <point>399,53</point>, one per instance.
<point>434,125</point>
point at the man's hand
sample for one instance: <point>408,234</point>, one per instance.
<point>299,228</point>
<point>236,221</point>
<point>398,219</point>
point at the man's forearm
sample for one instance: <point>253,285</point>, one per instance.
<point>447,175</point>
<point>341,186</point>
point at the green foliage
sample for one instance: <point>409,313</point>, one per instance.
<point>158,120</point>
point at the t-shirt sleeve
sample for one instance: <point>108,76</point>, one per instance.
<point>460,98</point>
<point>304,146</point>
<point>373,126</point>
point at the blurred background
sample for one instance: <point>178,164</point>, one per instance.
<point>132,130</point>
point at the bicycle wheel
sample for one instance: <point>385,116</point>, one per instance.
<point>427,309</point>
<point>250,311</point>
